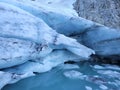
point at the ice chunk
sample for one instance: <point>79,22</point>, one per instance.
<point>96,79</point>
<point>88,88</point>
<point>113,67</point>
<point>98,67</point>
<point>110,73</point>
<point>103,87</point>
<point>73,74</point>
<point>69,66</point>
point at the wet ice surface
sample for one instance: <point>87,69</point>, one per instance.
<point>82,76</point>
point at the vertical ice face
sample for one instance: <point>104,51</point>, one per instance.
<point>15,51</point>
<point>103,40</point>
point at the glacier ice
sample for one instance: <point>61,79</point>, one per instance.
<point>30,38</point>
<point>73,74</point>
<point>105,41</point>
<point>36,36</point>
<point>67,24</point>
<point>29,45</point>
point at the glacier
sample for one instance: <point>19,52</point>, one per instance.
<point>36,36</point>
<point>73,26</point>
<point>35,49</point>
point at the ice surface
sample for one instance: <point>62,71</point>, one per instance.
<point>104,40</point>
<point>31,46</point>
<point>62,21</point>
<point>32,39</point>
